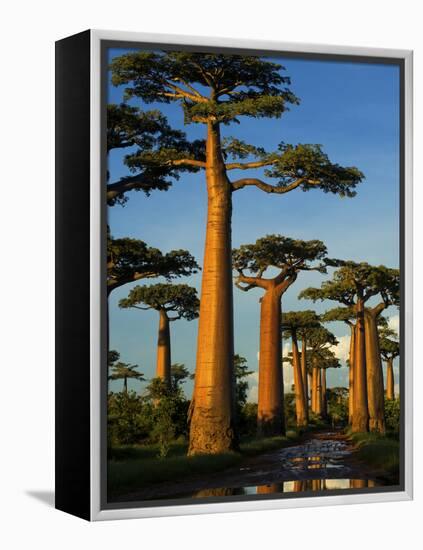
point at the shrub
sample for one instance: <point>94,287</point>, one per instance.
<point>247,420</point>
<point>392,415</point>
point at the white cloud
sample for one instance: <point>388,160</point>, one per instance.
<point>394,322</point>
<point>342,350</point>
<point>252,380</point>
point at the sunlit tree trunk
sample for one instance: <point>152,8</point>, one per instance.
<point>270,413</point>
<point>304,371</point>
<point>351,376</point>
<point>212,406</point>
<point>375,391</point>
<point>361,414</point>
<point>163,349</point>
<point>390,392</point>
<point>300,402</point>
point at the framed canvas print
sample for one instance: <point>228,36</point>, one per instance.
<point>234,293</point>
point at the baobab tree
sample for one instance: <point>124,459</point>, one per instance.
<point>289,257</point>
<point>130,260</point>
<point>180,299</point>
<point>309,320</point>
<point>347,315</point>
<point>389,349</point>
<point>319,354</point>
<point>353,285</point>
<point>326,359</point>
<point>125,371</point>
<point>216,89</point>
<point>292,323</point>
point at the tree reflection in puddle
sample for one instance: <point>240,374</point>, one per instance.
<point>295,486</point>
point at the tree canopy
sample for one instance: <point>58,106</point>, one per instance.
<point>354,281</point>
<point>125,371</point>
<point>323,358</point>
<point>299,322</point>
<point>181,299</point>
<point>388,343</point>
<point>132,259</point>
<point>179,374</point>
<point>320,337</point>
<point>213,89</point>
<point>288,255</point>
<point>345,314</point>
<point>151,139</point>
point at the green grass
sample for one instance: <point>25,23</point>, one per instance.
<point>378,451</point>
<point>136,473</point>
<point>141,452</point>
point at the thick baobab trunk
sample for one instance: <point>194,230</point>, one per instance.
<point>163,349</point>
<point>304,371</point>
<point>390,392</point>
<point>324,392</point>
<point>351,376</point>
<point>125,385</point>
<point>375,392</point>
<point>270,412</point>
<point>361,414</point>
<point>300,402</point>
<point>212,406</point>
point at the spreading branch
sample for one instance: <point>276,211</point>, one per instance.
<point>267,187</point>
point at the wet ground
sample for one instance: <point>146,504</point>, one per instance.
<point>322,462</point>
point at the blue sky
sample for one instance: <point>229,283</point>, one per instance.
<point>352,109</point>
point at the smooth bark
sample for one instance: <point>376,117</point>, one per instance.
<point>375,391</point>
<point>163,349</point>
<point>304,371</point>
<point>212,407</point>
<point>351,375</point>
<point>300,402</point>
<point>270,413</point>
<point>390,392</point>
<point>360,421</point>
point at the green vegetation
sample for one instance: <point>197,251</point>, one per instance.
<point>378,451</point>
<point>392,416</point>
<point>134,474</point>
